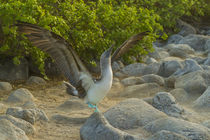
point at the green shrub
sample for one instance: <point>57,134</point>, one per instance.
<point>90,26</point>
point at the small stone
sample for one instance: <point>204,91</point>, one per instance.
<point>204,100</point>
<point>36,80</point>
<point>21,95</point>
<point>5,86</point>
<point>152,78</point>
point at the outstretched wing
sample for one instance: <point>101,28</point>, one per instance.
<point>127,45</point>
<point>61,52</point>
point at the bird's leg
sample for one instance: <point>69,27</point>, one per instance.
<point>93,106</point>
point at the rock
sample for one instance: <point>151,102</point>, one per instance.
<point>142,90</point>
<point>36,80</point>
<point>139,69</point>
<point>150,60</point>
<point>29,115</point>
<point>166,103</point>
<point>206,123</point>
<point>186,28</point>
<point>11,72</point>
<point>29,104</point>
<point>8,131</point>
<point>178,53</point>
<point>132,113</point>
<point>180,94</point>
<point>73,104</point>
<point>24,125</point>
<point>167,135</point>
<point>193,83</point>
<point>197,42</point>
<point>207,45</point>
<point>190,66</point>
<point>164,54</point>
<point>21,95</point>
<point>199,60</point>
<point>167,68</point>
<point>120,74</point>
<point>170,82</point>
<point>62,119</point>
<point>152,78</point>
<point>182,47</point>
<point>132,81</point>
<point>204,100</point>
<point>117,65</point>
<point>155,54</point>
<point>188,129</point>
<point>174,39</point>
<point>207,62</point>
<point>97,127</point>
<point>5,86</point>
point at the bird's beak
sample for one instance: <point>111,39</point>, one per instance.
<point>109,51</point>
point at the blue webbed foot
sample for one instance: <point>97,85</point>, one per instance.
<point>93,106</point>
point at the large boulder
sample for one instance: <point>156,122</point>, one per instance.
<point>21,95</point>
<point>29,115</point>
<point>180,94</point>
<point>193,83</point>
<point>197,42</point>
<point>190,130</point>
<point>182,47</point>
<point>167,68</point>
<point>8,131</point>
<point>174,39</point>
<point>97,127</point>
<point>11,72</point>
<point>132,113</point>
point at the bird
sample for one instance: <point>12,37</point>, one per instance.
<point>80,81</point>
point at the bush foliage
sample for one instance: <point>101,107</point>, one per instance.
<point>91,26</point>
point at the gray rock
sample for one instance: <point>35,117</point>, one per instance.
<point>206,123</point>
<point>174,39</point>
<point>199,60</point>
<point>21,95</point>
<point>5,86</point>
<point>132,113</point>
<point>193,83</point>
<point>166,103</point>
<point>29,104</point>
<point>188,129</point>
<point>167,135</point>
<point>180,94</point>
<point>139,69</point>
<point>182,47</point>
<point>197,42</point>
<point>120,74</point>
<point>132,81</point>
<point>117,65</point>
<point>155,55</point>
<point>29,115</point>
<point>190,65</point>
<point>142,90</point>
<point>207,45</point>
<point>62,119</point>
<point>24,125</point>
<point>11,72</point>
<point>204,100</point>
<point>164,54</point>
<point>97,127</point>
<point>152,78</point>
<point>207,62</point>
<point>36,80</point>
<point>186,28</point>
<point>178,53</point>
<point>150,60</point>
<point>170,81</point>
<point>8,131</point>
<point>167,68</point>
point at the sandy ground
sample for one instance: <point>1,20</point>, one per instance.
<point>65,123</point>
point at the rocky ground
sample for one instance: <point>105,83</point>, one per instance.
<point>165,98</point>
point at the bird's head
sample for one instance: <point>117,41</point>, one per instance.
<point>106,55</point>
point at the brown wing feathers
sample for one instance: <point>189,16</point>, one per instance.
<point>127,45</point>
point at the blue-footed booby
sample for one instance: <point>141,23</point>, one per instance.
<point>80,83</point>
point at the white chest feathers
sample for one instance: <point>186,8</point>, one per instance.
<point>99,90</point>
